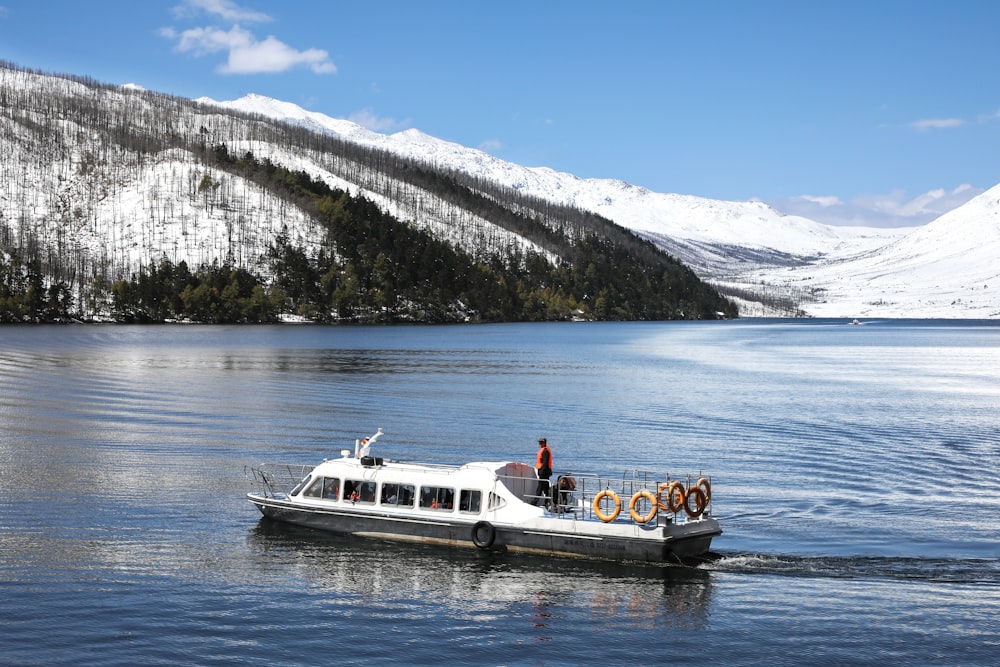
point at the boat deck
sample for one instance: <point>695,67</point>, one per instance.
<point>624,498</point>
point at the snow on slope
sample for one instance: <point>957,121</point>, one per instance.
<point>103,205</point>
<point>404,205</point>
<point>143,217</point>
<point>947,268</point>
<point>749,224</point>
<point>350,131</point>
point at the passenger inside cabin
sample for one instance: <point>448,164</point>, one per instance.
<point>351,491</point>
<point>331,488</point>
<point>405,495</point>
<point>469,501</point>
<point>437,498</point>
<point>367,492</point>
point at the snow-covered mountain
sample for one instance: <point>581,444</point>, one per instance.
<point>111,198</point>
<point>950,267</point>
<point>946,268</point>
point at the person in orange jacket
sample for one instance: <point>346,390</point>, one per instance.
<point>543,468</point>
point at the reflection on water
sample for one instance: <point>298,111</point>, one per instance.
<point>484,584</point>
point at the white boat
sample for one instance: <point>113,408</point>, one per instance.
<point>638,516</point>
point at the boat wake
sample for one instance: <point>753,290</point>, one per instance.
<point>978,571</point>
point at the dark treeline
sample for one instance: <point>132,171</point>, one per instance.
<point>508,257</point>
<point>213,294</point>
<point>24,296</point>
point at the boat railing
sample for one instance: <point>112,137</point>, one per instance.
<point>666,499</point>
<point>275,480</point>
<point>618,492</point>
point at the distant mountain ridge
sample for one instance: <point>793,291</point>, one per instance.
<point>687,217</point>
<point>748,249</point>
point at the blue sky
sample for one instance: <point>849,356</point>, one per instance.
<point>883,113</point>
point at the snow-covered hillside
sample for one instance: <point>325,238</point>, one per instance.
<point>695,219</point>
<point>104,206</point>
<point>945,269</point>
<point>107,204</point>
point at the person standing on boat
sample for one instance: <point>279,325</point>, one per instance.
<point>543,467</point>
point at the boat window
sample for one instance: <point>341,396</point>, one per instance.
<point>359,492</point>
<point>323,487</point>
<point>470,501</point>
<point>400,495</point>
<point>300,485</point>
<point>496,502</point>
<point>314,490</point>
<point>437,497</point>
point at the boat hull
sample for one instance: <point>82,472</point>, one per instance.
<point>681,542</point>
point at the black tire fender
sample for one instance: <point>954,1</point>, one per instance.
<point>483,534</point>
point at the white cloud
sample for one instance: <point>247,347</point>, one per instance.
<point>224,9</point>
<point>824,201</point>
<point>921,203</point>
<point>987,118</point>
<point>246,54</point>
<point>490,145</point>
<point>272,55</point>
<point>892,209</point>
<point>936,123</point>
<point>366,118</point>
<point>203,41</point>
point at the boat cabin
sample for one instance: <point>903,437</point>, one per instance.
<point>470,490</point>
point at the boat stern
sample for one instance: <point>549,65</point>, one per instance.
<point>691,539</point>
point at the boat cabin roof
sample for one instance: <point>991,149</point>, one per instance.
<point>507,471</point>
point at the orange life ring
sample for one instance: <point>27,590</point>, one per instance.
<point>705,486</point>
<point>662,498</point>
<point>607,493</point>
<point>675,497</point>
<point>635,501</point>
<point>699,502</point>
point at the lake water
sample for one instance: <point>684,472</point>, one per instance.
<point>856,472</point>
